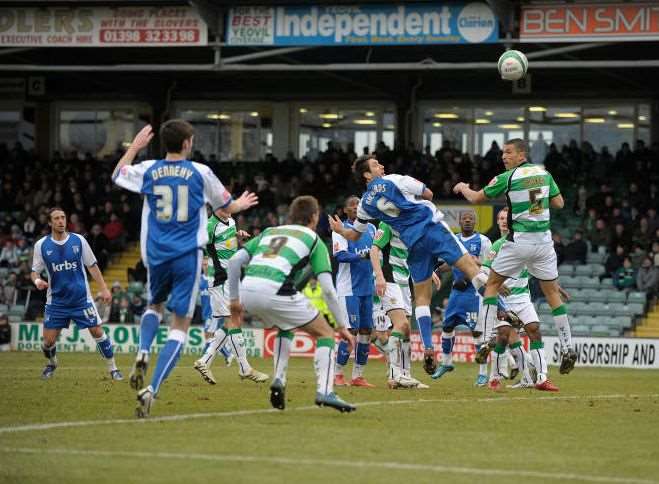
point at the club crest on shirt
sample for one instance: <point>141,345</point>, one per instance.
<point>472,247</point>
<point>76,249</point>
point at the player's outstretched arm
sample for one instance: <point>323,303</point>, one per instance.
<point>141,141</point>
<point>472,196</point>
<point>98,277</point>
<point>337,226</point>
<point>380,282</point>
<point>245,201</point>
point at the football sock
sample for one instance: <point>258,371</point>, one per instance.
<point>406,357</point>
<point>342,356</point>
<point>381,347</point>
<point>487,317</point>
<point>512,363</point>
<point>482,367</point>
<point>361,354</point>
<point>206,345</point>
<point>225,351</point>
<point>424,322</point>
<point>517,353</point>
<point>479,281</point>
<point>282,354</point>
<point>149,325</point>
<point>448,338</point>
<point>104,345</point>
<point>167,358</point>
<point>324,365</point>
<point>395,354</point>
<point>218,341</point>
<point>50,352</point>
<point>539,359</point>
<point>562,326</point>
<point>498,361</point>
<point>238,347</point>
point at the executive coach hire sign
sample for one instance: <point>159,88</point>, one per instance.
<point>386,24</point>
<point>101,27</point>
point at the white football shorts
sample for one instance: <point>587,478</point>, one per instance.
<point>284,312</point>
<point>540,259</point>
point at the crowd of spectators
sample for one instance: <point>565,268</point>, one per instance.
<point>107,217</point>
<point>614,196</point>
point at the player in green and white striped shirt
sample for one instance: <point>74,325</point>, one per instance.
<point>277,265</point>
<point>530,191</point>
<point>389,260</point>
<point>518,298</point>
<point>222,245</point>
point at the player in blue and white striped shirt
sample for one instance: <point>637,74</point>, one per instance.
<point>174,233</point>
<point>63,256</point>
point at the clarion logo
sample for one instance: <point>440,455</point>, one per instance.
<point>65,266</point>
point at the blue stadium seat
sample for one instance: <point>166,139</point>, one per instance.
<point>600,309</point>
<point>596,296</point>
<point>589,282</point>
<point>579,330</point>
<point>578,295</point>
<point>606,283</point>
<point>595,258</point>
<point>570,282</point>
<point>621,310</point>
<point>578,308</point>
<point>583,270</point>
<point>597,269</point>
<point>624,321</point>
<point>637,297</point>
<point>615,296</point>
<point>565,270</point>
<point>600,330</point>
<point>4,309</point>
<point>636,308</point>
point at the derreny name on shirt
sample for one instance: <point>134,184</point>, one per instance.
<point>164,171</point>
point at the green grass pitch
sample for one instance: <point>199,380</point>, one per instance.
<point>603,426</point>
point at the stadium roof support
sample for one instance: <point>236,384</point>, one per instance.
<point>536,54</point>
<point>262,54</point>
<point>427,65</point>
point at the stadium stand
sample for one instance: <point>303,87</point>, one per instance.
<point>110,218</point>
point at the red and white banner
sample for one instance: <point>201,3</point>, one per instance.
<point>102,27</point>
<point>590,22</point>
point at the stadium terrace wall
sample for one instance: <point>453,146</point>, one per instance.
<point>636,353</point>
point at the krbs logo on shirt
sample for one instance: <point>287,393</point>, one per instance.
<point>65,266</point>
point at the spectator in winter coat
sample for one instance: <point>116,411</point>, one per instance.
<point>647,278</point>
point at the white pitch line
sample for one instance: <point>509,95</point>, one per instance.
<point>240,413</point>
<point>399,466</point>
